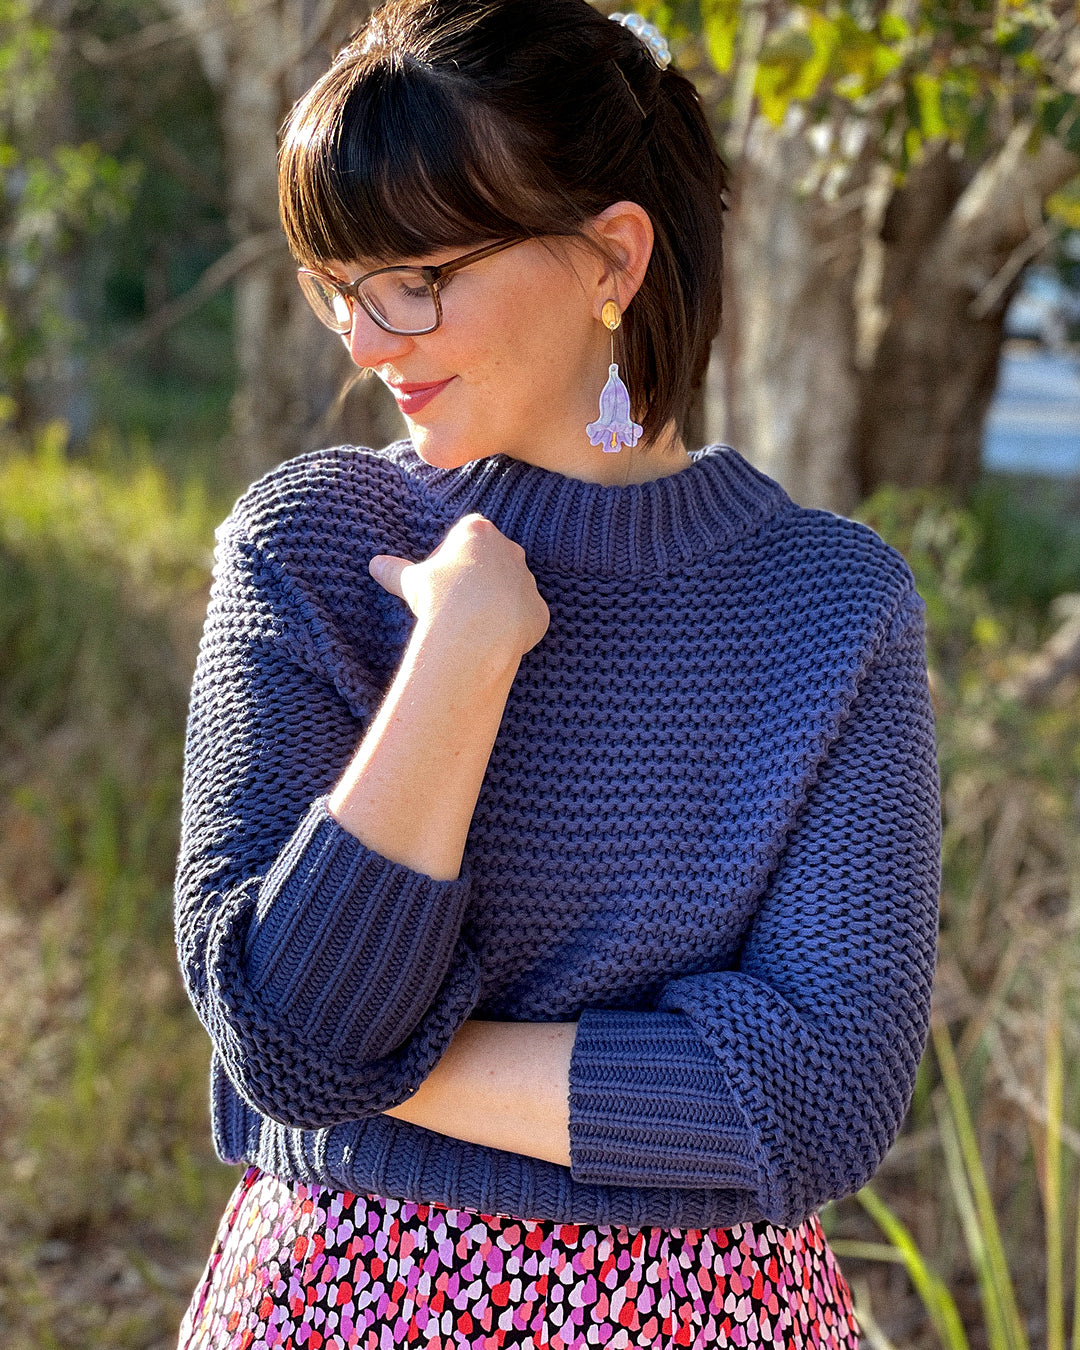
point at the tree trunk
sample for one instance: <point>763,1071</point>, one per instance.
<point>954,242</point>
<point>788,333</point>
<point>291,371</point>
<point>51,384</point>
<point>862,337</point>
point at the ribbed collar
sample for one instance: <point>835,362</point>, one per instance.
<point>592,529</point>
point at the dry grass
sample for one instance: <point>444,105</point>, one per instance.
<point>112,1193</point>
<point>1009,928</point>
<point>112,1190</point>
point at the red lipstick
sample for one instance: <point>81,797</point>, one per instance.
<point>410,398</point>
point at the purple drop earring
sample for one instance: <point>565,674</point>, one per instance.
<point>614,423</point>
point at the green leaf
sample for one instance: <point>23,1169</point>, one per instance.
<point>720,28</point>
<point>974,1237</point>
<point>893,28</point>
<point>793,63</point>
<point>928,97</point>
<point>1052,1200</point>
<point>1014,38</point>
<point>884,61</point>
<point>1066,211</point>
<point>1059,114</point>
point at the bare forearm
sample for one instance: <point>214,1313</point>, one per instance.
<point>505,1085</point>
<point>410,790</point>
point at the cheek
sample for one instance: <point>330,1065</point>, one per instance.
<point>540,349</point>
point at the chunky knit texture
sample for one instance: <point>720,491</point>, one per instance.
<point>708,832</point>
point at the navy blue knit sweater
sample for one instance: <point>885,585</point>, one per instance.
<point>708,832</point>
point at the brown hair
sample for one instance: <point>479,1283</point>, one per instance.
<point>446,123</point>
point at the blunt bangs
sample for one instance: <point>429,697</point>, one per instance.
<point>383,161</point>
<point>444,124</point>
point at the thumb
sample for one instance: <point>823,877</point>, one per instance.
<point>386,570</point>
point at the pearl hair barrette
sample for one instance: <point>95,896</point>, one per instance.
<point>654,41</point>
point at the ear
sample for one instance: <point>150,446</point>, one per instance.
<point>627,231</point>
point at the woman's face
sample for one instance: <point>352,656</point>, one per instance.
<point>521,350</point>
<point>523,357</point>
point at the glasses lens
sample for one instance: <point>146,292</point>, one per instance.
<point>402,299</point>
<point>331,307</point>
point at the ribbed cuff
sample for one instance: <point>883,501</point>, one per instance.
<point>651,1106</point>
<point>346,946</point>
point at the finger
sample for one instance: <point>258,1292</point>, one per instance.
<point>387,570</point>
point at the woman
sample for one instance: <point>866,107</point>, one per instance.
<point>560,845</point>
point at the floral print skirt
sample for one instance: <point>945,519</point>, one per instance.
<point>306,1266</point>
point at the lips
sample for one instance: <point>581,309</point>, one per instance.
<point>410,398</point>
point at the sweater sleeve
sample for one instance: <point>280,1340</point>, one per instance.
<point>330,978</point>
<point>790,1075</point>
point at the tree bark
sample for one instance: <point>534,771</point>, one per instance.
<point>788,333</point>
<point>862,336</point>
<point>43,306</point>
<point>260,56</point>
<point>948,237</point>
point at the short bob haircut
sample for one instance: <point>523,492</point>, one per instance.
<point>448,123</point>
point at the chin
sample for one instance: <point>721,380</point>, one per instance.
<point>443,450</point>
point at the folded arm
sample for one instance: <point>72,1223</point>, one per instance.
<point>320,941</point>
<point>789,1076</point>
<point>503,1085</point>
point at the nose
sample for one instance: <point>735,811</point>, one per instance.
<point>369,345</point>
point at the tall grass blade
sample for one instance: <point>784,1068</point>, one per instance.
<point>864,1315</point>
<point>997,1332</point>
<point>936,1299</point>
<point>1075,1343</point>
<point>866,1251</point>
<point>980,1188</point>
<point>1055,1246</point>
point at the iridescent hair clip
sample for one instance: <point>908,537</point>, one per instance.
<point>654,41</point>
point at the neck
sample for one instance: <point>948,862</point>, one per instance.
<point>590,464</point>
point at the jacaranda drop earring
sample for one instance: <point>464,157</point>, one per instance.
<point>614,423</point>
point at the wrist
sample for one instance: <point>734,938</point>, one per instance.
<point>458,649</point>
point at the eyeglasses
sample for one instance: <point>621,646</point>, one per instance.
<point>403,300</point>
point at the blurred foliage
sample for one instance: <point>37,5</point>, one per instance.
<point>1010,916</point>
<point>113,1193</point>
<point>1028,540</point>
<point>921,71</point>
<point>112,202</point>
<point>153,106</point>
<point>52,192</point>
<point>103,1122</point>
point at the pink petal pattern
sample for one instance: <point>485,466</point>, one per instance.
<point>310,1268</point>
